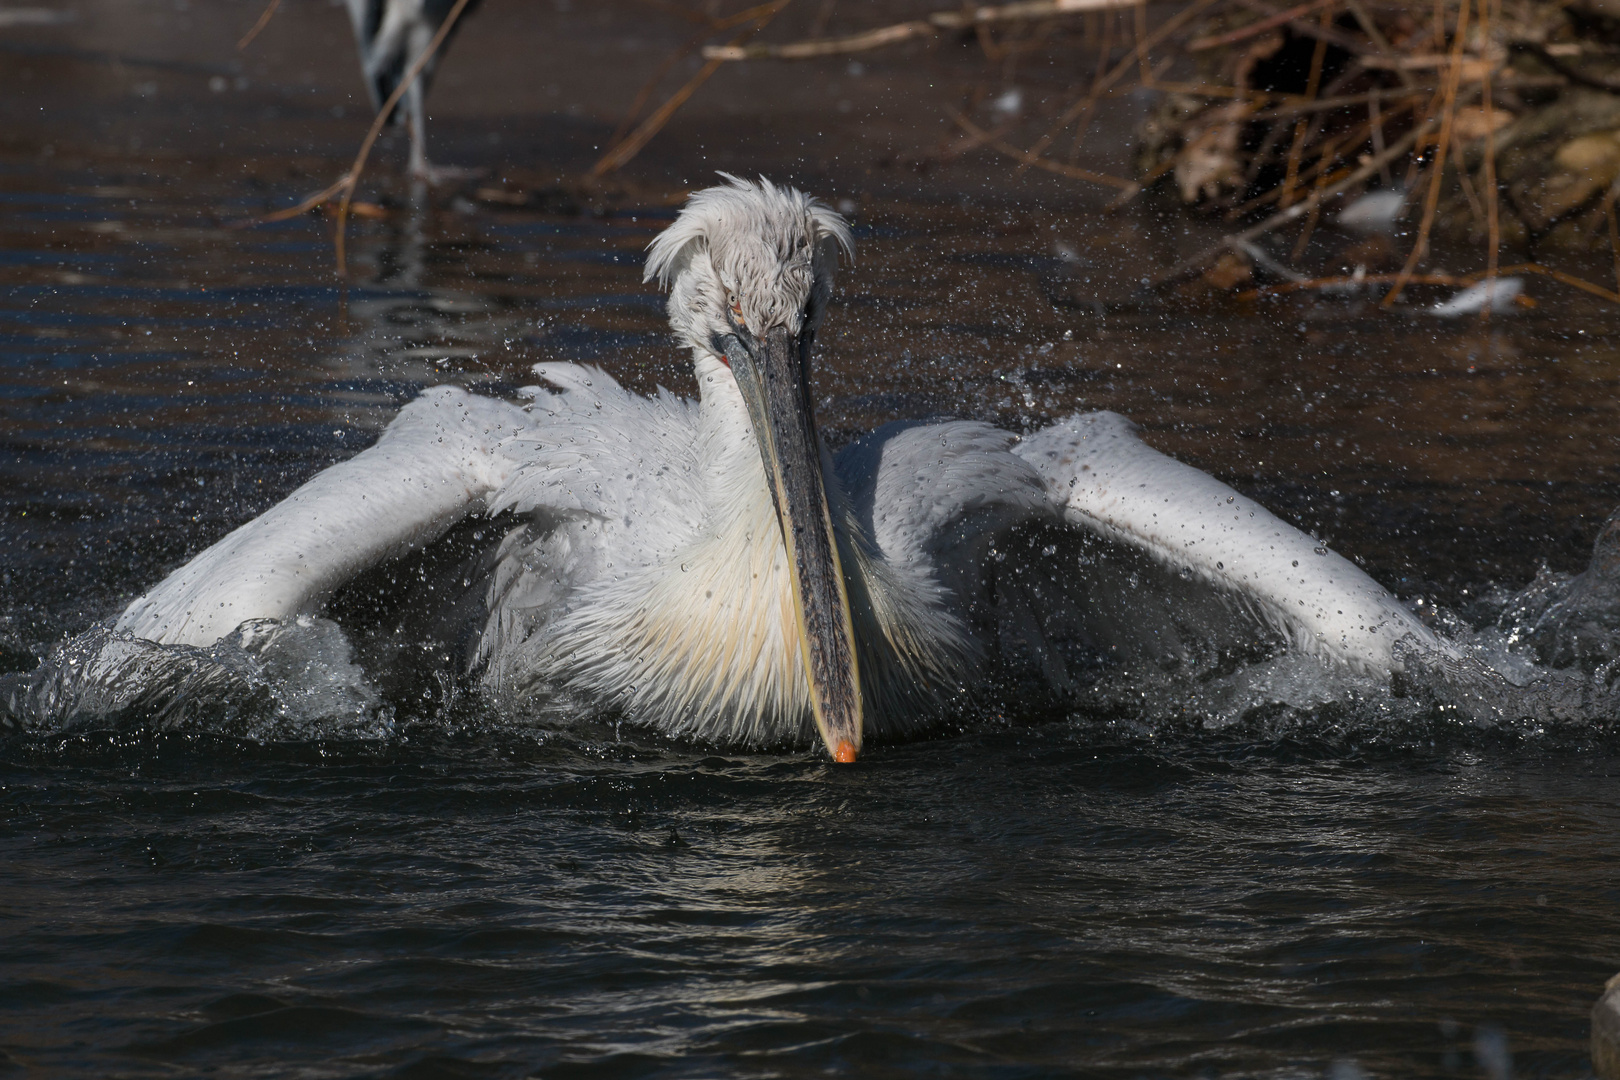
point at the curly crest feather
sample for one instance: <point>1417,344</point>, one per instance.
<point>773,248</point>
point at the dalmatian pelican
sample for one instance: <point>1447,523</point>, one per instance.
<point>709,568</point>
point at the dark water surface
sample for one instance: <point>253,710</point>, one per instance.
<point>1011,904</point>
<point>1283,875</point>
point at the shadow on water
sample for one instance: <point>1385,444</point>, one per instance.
<point>1331,872</point>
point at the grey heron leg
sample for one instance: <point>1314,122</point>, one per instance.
<point>418,128</point>
<point>420,167</point>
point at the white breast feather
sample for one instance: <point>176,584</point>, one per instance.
<point>659,583</point>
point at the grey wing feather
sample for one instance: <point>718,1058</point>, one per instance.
<point>919,489</point>
<point>594,465</point>
<point>933,499</point>
<point>1080,544</point>
<point>1110,484</point>
<point>436,462</point>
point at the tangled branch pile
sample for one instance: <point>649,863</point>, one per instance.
<point>1496,121</point>
<point>1518,102</point>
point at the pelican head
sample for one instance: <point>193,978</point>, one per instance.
<point>747,257</point>
<point>749,268</point>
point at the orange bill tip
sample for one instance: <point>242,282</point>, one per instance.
<point>845,753</point>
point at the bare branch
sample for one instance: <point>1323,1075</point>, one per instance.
<point>1130,187</point>
<point>906,31</point>
<point>264,20</point>
<point>1188,267</point>
<point>806,50</point>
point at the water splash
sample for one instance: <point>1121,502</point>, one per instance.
<point>1543,663</point>
<point>268,681</point>
<point>1541,666</point>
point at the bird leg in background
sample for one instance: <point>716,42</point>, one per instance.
<point>345,184</point>
<point>415,107</point>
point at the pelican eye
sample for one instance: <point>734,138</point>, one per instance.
<point>736,306</point>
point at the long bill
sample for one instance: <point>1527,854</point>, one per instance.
<point>773,375</point>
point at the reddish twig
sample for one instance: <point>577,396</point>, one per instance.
<point>1188,267</point>
<point>1243,33</point>
<point>619,155</point>
<point>1456,280</point>
<point>1313,83</point>
<point>264,20</point>
<point>1448,114</point>
<point>1614,231</point>
<point>1085,105</point>
<point>1493,224</point>
<point>1047,164</point>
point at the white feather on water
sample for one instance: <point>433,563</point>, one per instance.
<point>1374,212</point>
<point>1497,294</point>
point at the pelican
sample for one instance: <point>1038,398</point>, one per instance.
<point>391,35</point>
<point>708,567</point>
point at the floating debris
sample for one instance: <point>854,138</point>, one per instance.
<point>1374,212</point>
<point>1497,294</point>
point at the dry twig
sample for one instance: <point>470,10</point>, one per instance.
<point>1083,107</point>
<point>712,26</point>
<point>1029,9</point>
<point>1345,281</point>
<point>1255,29</point>
<point>986,138</point>
<point>1448,115</point>
<point>892,35</point>
<point>1614,230</point>
<point>1326,160</point>
<point>1493,224</point>
<point>808,50</point>
<point>1313,83</point>
<point>264,20</point>
<point>1188,267</point>
<point>621,153</point>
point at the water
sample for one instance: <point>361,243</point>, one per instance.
<point>1279,872</point>
<point>1016,903</point>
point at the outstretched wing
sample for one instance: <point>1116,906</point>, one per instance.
<point>1109,483</point>
<point>594,448</point>
<point>596,465</point>
<point>438,460</point>
<point>934,496</point>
